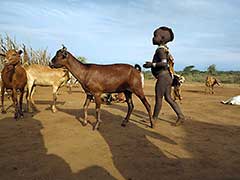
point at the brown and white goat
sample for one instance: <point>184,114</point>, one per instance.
<point>98,79</point>
<point>178,80</point>
<point>13,78</point>
<point>40,75</point>
<point>210,83</point>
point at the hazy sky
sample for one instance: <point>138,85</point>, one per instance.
<point>107,31</point>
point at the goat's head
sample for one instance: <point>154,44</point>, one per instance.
<point>181,79</point>
<point>162,35</point>
<point>60,59</point>
<point>216,82</point>
<point>178,80</point>
<point>12,56</point>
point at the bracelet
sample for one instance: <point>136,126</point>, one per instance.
<point>154,64</point>
<point>164,60</point>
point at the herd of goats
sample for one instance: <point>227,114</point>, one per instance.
<point>119,79</point>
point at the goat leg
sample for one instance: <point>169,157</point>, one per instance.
<point>128,96</point>
<point>54,103</point>
<point>30,91</point>
<point>55,90</point>
<point>148,108</point>
<point>2,98</point>
<point>142,97</point>
<point>85,109</point>
<point>16,105</point>
<point>98,105</point>
<point>20,102</point>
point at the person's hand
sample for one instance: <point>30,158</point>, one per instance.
<point>147,64</point>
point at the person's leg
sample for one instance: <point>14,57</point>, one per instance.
<point>171,102</point>
<point>159,92</point>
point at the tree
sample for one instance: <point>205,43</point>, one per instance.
<point>188,69</point>
<point>82,59</point>
<point>212,69</point>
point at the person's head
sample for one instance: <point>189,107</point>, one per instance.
<point>162,35</point>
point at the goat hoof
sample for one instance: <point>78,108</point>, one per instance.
<point>152,125</point>
<point>153,122</point>
<point>96,126</point>
<point>179,121</point>
<point>84,123</point>
<point>54,110</point>
<point>4,112</point>
<point>30,110</point>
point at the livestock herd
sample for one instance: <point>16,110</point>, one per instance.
<point>119,79</point>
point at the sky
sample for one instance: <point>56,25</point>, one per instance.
<point>107,31</point>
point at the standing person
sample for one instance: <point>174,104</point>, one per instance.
<point>162,69</point>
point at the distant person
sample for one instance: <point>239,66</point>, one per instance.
<point>162,69</point>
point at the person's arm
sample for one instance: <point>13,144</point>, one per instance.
<point>160,53</point>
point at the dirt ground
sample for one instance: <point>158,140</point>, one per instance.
<point>45,146</point>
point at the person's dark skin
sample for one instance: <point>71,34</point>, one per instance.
<point>159,68</point>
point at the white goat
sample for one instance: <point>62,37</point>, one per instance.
<point>40,75</point>
<point>233,100</point>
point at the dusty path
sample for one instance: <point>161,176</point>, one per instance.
<point>56,146</point>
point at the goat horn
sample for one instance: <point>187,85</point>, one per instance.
<point>64,48</point>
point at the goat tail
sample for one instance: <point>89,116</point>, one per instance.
<point>138,67</point>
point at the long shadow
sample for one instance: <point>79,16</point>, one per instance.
<point>23,155</point>
<point>76,91</point>
<point>140,114</point>
<point>94,173</point>
<point>136,112</point>
<point>36,109</point>
<point>195,91</point>
<point>49,102</point>
<point>212,151</point>
<point>133,154</point>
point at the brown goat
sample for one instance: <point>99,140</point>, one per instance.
<point>14,78</point>
<point>210,83</point>
<point>97,79</point>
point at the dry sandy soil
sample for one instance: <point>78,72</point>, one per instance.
<point>45,146</point>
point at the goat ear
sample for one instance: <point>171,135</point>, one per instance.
<point>20,52</point>
<point>65,54</point>
<point>2,55</point>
